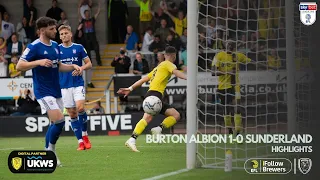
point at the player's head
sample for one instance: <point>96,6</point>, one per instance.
<point>87,14</point>
<point>139,56</point>
<point>46,27</point>
<point>180,15</point>
<point>54,3</point>
<point>14,37</point>
<point>65,33</point>
<point>170,54</point>
<point>6,16</point>
<point>230,45</point>
<point>63,15</point>
<point>14,59</point>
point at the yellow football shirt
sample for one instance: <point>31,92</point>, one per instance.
<point>180,25</point>
<point>160,76</point>
<point>263,28</point>
<point>274,62</point>
<point>225,63</point>
<point>12,69</point>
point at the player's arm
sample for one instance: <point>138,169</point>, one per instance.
<point>126,91</point>
<point>87,64</point>
<point>179,74</point>
<point>245,60</point>
<point>24,65</point>
<point>70,67</point>
<point>98,11</point>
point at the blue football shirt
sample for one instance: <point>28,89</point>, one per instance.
<point>45,79</point>
<point>74,54</point>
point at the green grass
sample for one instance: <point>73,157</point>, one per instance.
<point>110,159</point>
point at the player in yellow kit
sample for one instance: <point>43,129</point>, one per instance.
<point>158,78</point>
<point>226,65</point>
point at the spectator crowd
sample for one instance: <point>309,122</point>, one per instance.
<point>15,38</point>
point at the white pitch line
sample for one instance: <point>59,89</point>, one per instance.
<point>168,174</point>
<point>17,148</point>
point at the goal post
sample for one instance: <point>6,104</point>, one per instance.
<point>192,68</point>
<point>291,67</point>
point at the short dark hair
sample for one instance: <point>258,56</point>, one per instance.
<point>14,34</point>
<point>149,29</point>
<point>170,50</point>
<point>44,22</point>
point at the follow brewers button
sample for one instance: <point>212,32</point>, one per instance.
<point>268,166</point>
<point>32,162</point>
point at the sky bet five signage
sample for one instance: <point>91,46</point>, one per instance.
<point>32,162</point>
<point>100,122</point>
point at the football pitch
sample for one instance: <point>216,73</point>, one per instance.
<point>110,159</point>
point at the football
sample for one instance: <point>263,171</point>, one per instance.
<point>152,105</point>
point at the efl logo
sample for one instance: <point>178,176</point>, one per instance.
<point>32,162</point>
<point>308,12</point>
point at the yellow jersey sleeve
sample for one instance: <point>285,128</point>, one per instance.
<point>216,60</point>
<point>243,58</point>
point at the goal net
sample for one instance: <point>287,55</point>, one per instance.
<point>245,40</point>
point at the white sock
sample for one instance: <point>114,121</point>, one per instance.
<point>84,133</point>
<point>52,147</point>
<point>80,141</point>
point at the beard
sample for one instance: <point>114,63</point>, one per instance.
<point>49,35</point>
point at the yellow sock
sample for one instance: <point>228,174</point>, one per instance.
<point>227,121</point>
<point>140,126</point>
<point>238,122</point>
<point>169,122</point>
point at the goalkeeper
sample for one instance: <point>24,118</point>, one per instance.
<point>226,65</point>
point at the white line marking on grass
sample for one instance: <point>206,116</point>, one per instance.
<point>168,174</point>
<point>17,148</point>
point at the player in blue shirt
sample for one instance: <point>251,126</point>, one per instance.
<point>72,87</point>
<point>42,56</point>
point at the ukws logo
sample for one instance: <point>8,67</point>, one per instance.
<point>32,162</point>
<point>304,165</point>
<point>308,12</point>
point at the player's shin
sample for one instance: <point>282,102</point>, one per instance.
<point>55,132</point>
<point>168,122</point>
<point>83,117</point>
<point>76,127</point>
<point>140,126</point>
<point>227,119</point>
<point>47,139</point>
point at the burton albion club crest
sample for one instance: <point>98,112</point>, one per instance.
<point>16,163</point>
<point>308,12</point>
<point>304,165</point>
